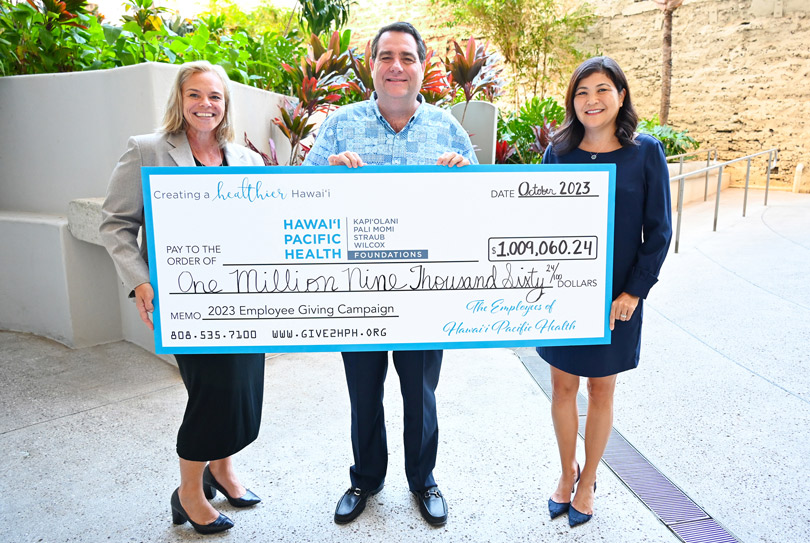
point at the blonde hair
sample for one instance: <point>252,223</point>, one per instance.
<point>173,119</point>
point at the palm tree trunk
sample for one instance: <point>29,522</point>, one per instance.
<point>666,69</point>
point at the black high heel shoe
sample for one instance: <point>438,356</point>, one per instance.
<point>210,487</point>
<point>179,516</point>
<point>575,518</point>
<point>556,509</point>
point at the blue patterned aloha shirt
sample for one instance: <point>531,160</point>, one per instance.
<point>362,129</point>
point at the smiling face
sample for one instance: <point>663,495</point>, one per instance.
<point>597,102</point>
<point>203,102</point>
<point>396,69</point>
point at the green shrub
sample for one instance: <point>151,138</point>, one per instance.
<point>675,143</point>
<point>527,130</point>
<point>45,37</point>
<point>46,40</point>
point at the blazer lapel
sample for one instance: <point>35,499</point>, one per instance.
<point>232,156</point>
<point>180,150</point>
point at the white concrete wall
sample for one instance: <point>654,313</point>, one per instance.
<point>61,136</point>
<point>63,133</point>
<point>45,286</point>
<point>480,120</point>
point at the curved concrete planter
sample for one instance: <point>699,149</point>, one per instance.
<point>480,120</point>
<point>62,135</point>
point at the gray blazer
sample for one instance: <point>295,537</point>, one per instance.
<point>122,212</point>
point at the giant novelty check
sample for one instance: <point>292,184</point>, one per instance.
<point>283,259</point>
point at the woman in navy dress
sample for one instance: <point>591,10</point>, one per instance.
<point>599,128</point>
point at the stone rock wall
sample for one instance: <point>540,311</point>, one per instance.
<point>740,74</point>
<point>368,16</point>
<point>740,69</point>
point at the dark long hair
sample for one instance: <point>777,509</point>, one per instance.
<point>570,134</point>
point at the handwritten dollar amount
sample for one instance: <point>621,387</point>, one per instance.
<point>544,248</point>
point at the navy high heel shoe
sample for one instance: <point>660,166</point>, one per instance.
<point>179,516</point>
<point>556,509</point>
<point>210,487</point>
<point>575,518</point>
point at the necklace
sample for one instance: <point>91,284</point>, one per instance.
<point>604,149</point>
<point>595,154</point>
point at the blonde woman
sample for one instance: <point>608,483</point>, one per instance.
<point>225,391</point>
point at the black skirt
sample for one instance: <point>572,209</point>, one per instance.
<point>224,408</point>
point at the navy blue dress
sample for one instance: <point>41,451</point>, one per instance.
<point>643,229</point>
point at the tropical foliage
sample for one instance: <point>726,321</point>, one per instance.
<point>675,142</point>
<point>317,79</point>
<point>321,16</point>
<point>473,71</point>
<point>46,36</point>
<point>435,80</point>
<point>535,37</point>
<point>49,36</point>
<point>524,135</point>
<point>266,50</point>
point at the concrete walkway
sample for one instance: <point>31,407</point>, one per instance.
<point>720,404</point>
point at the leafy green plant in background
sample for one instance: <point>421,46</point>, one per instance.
<point>144,13</point>
<point>260,20</point>
<point>266,53</point>
<point>326,66</point>
<point>318,78</point>
<point>333,57</point>
<point>178,25</point>
<point>216,24</point>
<point>47,37</point>
<point>58,37</point>
<point>321,16</point>
<point>675,142</point>
<point>44,36</point>
<point>527,131</point>
<point>537,38</point>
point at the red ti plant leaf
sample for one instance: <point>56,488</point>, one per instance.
<point>474,71</point>
<point>361,66</point>
<point>269,160</point>
<point>435,86</point>
<point>503,150</point>
<point>542,136</point>
<point>327,63</point>
<point>296,127</point>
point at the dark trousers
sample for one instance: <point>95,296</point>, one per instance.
<point>418,377</point>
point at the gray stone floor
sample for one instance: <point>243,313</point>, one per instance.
<point>720,403</point>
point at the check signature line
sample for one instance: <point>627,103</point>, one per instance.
<point>405,289</point>
<point>355,262</point>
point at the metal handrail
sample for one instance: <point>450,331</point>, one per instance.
<point>773,155</point>
<point>709,153</point>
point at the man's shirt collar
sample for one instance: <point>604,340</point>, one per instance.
<point>384,121</point>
